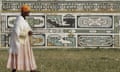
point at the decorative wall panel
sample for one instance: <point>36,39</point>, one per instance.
<point>116,41</point>
<point>11,21</point>
<point>5,40</point>
<point>66,23</point>
<point>95,21</point>
<point>3,23</point>
<point>106,41</point>
<point>36,21</point>
<point>60,21</point>
<point>68,40</point>
<point>64,6</point>
<point>54,21</point>
<point>38,40</point>
<point>117,24</point>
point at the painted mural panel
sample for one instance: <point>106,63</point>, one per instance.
<point>36,21</point>
<point>61,40</point>
<point>60,21</point>
<point>95,21</point>
<point>66,23</point>
<point>54,21</point>
<point>38,40</point>
<point>95,40</point>
<point>69,21</point>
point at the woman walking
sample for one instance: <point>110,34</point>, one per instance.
<point>20,53</point>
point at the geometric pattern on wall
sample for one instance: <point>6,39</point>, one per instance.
<point>63,5</point>
<point>66,23</point>
<point>38,40</point>
<point>60,21</point>
<point>11,21</point>
<point>117,24</point>
<point>3,23</point>
<point>105,22</point>
<point>4,40</point>
<point>98,40</point>
<point>57,33</point>
<point>35,21</point>
<point>95,21</point>
<point>61,40</point>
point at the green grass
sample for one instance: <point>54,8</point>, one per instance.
<point>72,60</point>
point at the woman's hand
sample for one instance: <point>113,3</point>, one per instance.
<point>30,33</point>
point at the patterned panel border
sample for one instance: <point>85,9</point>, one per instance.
<point>5,40</point>
<point>3,23</point>
<point>117,24</point>
<point>116,41</point>
<point>64,6</point>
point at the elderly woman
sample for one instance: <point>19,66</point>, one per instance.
<point>20,53</point>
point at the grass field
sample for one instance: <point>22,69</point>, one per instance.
<point>72,60</point>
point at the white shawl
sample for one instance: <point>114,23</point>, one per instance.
<point>21,25</point>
